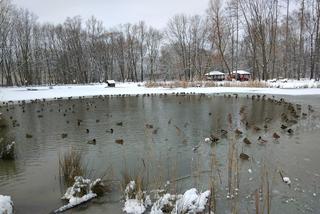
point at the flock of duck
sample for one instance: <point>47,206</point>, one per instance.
<point>288,119</point>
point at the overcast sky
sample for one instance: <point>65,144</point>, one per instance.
<point>114,12</point>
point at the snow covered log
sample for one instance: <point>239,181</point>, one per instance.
<point>81,192</point>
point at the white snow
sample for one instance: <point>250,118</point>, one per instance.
<point>211,73</point>
<point>309,87</point>
<point>6,205</point>
<point>134,206</point>
<point>81,184</point>
<point>167,200</point>
<point>10,146</point>
<point>287,180</point>
<point>240,72</point>
<point>74,201</point>
<point>207,140</point>
<point>192,202</point>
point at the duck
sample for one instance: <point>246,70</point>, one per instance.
<point>244,156</point>
<point>214,138</point>
<point>223,132</point>
<point>79,122</point>
<point>267,119</point>
<point>149,126</point>
<point>87,130</point>
<point>64,135</point>
<point>93,141</point>
<point>120,123</point>
<point>283,126</point>
<point>119,141</point>
<point>155,131</point>
<point>290,131</point>
<point>256,128</point>
<point>238,132</point>
<point>28,135</point>
<point>247,141</point>
<point>275,136</point>
<point>110,131</point>
<point>261,140</point>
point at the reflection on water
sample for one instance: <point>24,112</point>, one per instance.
<point>164,152</point>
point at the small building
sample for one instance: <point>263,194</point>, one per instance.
<point>215,76</point>
<point>241,75</point>
<point>111,83</point>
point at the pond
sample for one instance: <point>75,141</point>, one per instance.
<point>163,140</point>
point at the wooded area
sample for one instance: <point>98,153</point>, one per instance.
<point>270,38</point>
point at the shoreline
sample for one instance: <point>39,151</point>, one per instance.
<point>15,94</point>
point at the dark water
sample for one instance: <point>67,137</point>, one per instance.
<point>181,123</point>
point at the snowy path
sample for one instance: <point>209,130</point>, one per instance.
<point>22,93</point>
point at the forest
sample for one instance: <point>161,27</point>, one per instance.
<point>269,38</point>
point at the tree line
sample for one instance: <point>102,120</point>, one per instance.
<point>270,38</point>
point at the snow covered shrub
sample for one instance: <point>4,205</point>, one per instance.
<point>6,204</point>
<point>136,200</point>
<point>7,150</point>
<point>192,202</point>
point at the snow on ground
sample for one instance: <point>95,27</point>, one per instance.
<point>134,206</point>
<point>6,205</point>
<point>30,93</point>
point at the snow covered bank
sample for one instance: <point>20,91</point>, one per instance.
<point>24,93</point>
<point>6,205</point>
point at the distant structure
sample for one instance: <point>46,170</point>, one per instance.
<point>111,83</point>
<point>241,75</point>
<point>215,76</point>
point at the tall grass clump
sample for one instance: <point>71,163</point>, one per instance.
<point>136,192</point>
<point>71,165</point>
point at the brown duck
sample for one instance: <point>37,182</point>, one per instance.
<point>247,141</point>
<point>275,136</point>
<point>244,156</point>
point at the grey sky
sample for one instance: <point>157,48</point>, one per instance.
<point>114,12</point>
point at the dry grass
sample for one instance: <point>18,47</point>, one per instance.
<point>139,188</point>
<point>71,165</point>
<point>250,84</point>
<point>175,84</point>
<point>186,84</point>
